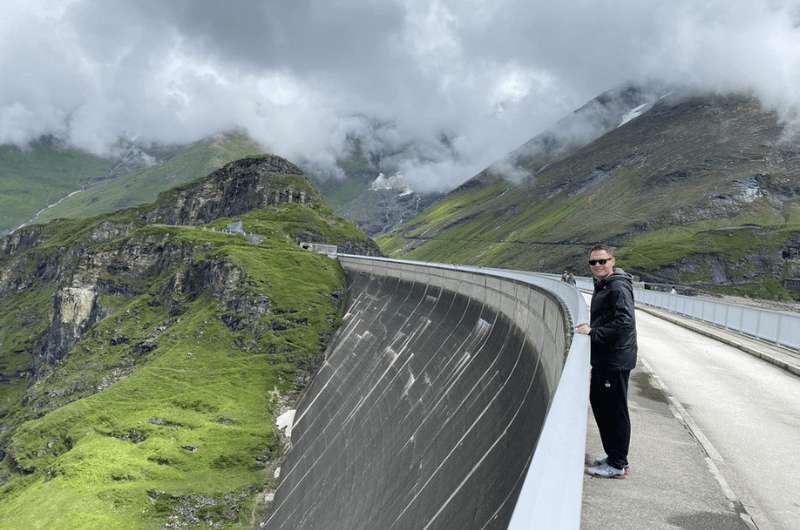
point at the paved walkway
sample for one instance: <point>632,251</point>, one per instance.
<point>673,483</point>
<point>670,484</point>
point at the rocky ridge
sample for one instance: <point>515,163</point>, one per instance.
<point>91,308</point>
<point>237,188</point>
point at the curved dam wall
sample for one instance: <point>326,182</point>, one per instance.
<point>427,409</point>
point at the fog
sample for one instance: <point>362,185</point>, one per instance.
<point>452,85</point>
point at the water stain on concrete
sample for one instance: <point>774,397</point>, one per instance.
<point>708,521</point>
<point>647,389</point>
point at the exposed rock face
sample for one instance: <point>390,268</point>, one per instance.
<point>89,303</point>
<point>75,309</point>
<point>108,230</point>
<point>221,278</point>
<point>23,239</point>
<point>381,210</point>
<point>791,253</point>
<point>360,248</point>
<point>112,262</point>
<point>237,188</point>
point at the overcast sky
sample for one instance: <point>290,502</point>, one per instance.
<point>300,75</point>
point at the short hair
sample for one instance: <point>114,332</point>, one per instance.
<point>611,250</point>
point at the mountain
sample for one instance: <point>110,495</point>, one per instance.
<point>173,166</point>
<point>606,112</point>
<point>50,181</point>
<point>377,203</point>
<point>695,189</point>
<point>41,174</point>
<point>145,354</point>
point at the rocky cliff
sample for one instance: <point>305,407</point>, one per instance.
<point>237,188</point>
<point>143,353</point>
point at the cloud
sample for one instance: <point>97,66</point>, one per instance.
<point>303,76</point>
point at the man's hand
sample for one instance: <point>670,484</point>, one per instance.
<point>583,328</point>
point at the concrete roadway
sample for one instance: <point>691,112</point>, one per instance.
<point>748,410</point>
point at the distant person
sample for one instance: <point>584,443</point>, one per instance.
<point>564,276</point>
<point>612,332</point>
<point>673,291</point>
<point>571,278</point>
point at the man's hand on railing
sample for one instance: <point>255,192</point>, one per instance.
<point>583,328</point>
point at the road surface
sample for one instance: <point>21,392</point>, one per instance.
<point>748,409</point>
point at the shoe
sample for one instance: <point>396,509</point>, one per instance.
<point>606,471</point>
<point>603,461</point>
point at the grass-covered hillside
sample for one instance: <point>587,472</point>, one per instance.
<point>41,174</point>
<point>143,186</point>
<point>143,363</point>
<point>698,190</point>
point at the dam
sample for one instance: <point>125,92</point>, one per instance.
<point>430,405</point>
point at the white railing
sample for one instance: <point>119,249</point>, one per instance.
<point>552,492</point>
<point>780,328</point>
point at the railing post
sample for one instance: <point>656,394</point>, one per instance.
<point>741,319</point>
<point>758,325</point>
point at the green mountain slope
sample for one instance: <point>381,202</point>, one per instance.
<point>702,190</point>
<point>31,179</point>
<point>143,186</point>
<point>145,354</point>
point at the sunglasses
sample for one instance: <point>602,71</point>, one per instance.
<point>594,262</point>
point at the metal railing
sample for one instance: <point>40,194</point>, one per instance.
<point>780,328</point>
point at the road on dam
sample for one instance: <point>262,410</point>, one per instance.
<point>747,408</point>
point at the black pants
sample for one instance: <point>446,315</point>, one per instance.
<point>608,394</point>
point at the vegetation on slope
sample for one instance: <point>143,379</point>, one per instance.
<point>144,186</point>
<point>32,178</point>
<point>698,190</point>
<point>163,412</point>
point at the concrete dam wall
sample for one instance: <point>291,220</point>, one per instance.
<point>427,409</point>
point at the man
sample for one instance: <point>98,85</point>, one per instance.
<point>571,278</point>
<point>612,332</point>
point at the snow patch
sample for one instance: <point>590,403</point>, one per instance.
<point>749,190</point>
<point>396,182</point>
<point>285,422</point>
<point>633,113</point>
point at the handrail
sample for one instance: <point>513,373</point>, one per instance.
<point>551,494</point>
<point>777,327</point>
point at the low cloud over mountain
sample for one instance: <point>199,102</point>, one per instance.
<point>301,77</point>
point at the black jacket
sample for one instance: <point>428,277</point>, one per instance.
<point>613,323</point>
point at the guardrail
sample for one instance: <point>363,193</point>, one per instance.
<point>551,494</point>
<point>779,328</point>
<point>782,329</point>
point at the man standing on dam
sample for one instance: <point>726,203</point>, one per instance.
<point>612,333</point>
